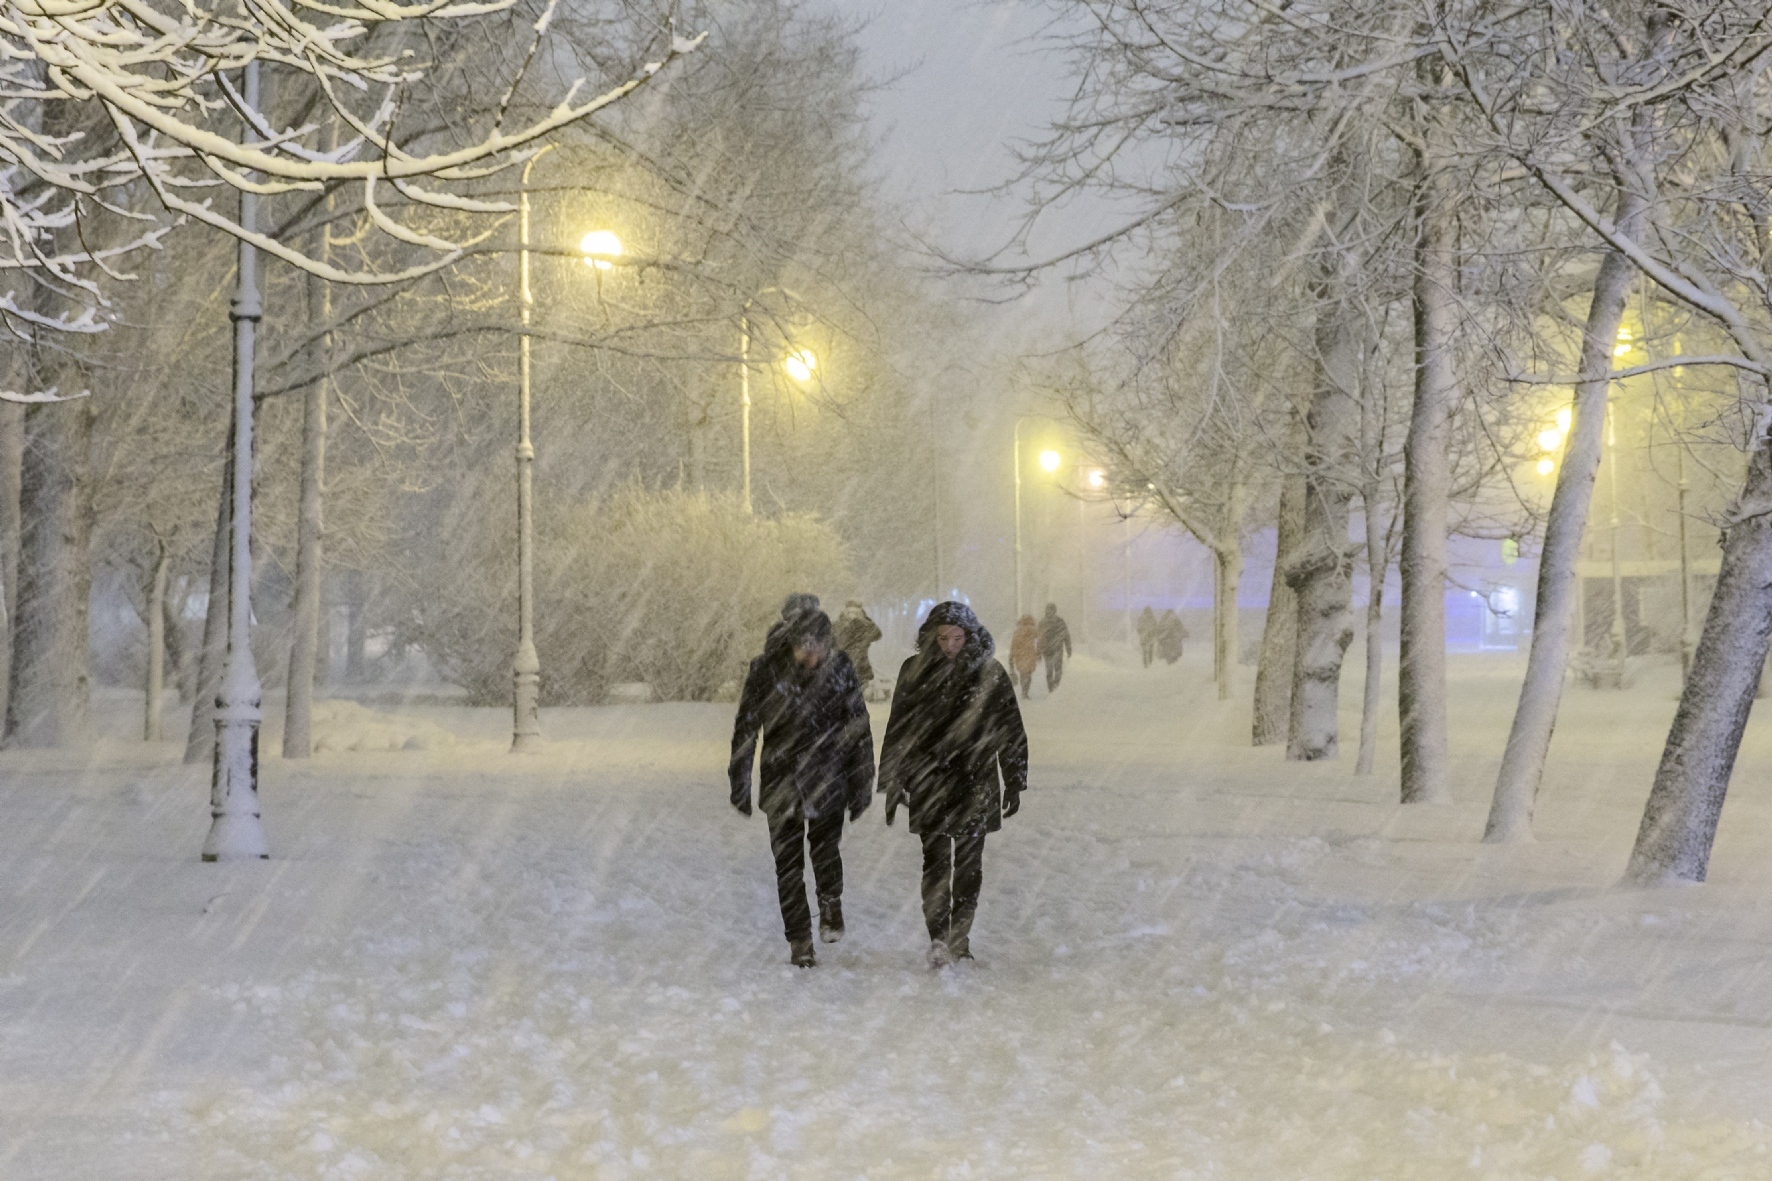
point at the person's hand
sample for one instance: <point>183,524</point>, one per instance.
<point>742,807</point>
<point>893,799</point>
<point>1011,803</point>
<point>855,810</point>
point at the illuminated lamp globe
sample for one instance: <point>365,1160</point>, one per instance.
<point>1550,440</point>
<point>1565,416</point>
<point>1049,461</point>
<point>1096,478</point>
<point>1546,466</point>
<point>800,365</point>
<point>598,247</point>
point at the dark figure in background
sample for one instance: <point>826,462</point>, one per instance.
<point>954,727</point>
<point>1055,645</point>
<point>856,633</point>
<point>803,702</point>
<point>1171,633</point>
<point>1147,635</point>
<point>1024,653</point>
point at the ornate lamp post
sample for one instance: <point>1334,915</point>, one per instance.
<point>235,831</point>
<point>599,246</point>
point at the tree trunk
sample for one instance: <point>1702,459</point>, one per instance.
<point>1377,569</point>
<point>1319,573</point>
<point>1680,821</point>
<point>1279,633</point>
<point>1553,627</point>
<point>1421,669</point>
<point>200,741</point>
<point>156,614</point>
<point>51,699</point>
<point>1227,577</point>
<point>177,649</point>
<point>298,710</point>
<point>12,450</point>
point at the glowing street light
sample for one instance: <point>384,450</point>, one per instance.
<point>800,365</point>
<point>1096,479</point>
<point>1550,439</point>
<point>1546,466</point>
<point>599,247</point>
<point>1049,461</point>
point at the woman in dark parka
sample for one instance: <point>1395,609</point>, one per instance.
<point>802,700</point>
<point>955,726</point>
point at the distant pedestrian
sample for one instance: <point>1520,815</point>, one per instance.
<point>1024,653</point>
<point>1147,635</point>
<point>803,704</point>
<point>856,633</point>
<point>954,728</point>
<point>1171,634</point>
<point>1055,645</point>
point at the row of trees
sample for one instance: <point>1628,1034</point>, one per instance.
<point>732,168</point>
<point>1374,248</point>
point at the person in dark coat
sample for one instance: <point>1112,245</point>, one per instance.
<point>1055,645</point>
<point>803,703</point>
<point>954,728</point>
<point>1147,634</point>
<point>1024,653</point>
<point>1171,635</point>
<point>856,633</point>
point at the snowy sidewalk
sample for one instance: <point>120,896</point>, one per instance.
<point>1195,961</point>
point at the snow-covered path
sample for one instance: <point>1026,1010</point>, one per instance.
<point>1195,961</point>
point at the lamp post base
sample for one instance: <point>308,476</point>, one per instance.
<point>235,831</point>
<point>526,698</point>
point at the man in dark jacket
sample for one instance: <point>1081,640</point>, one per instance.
<point>1055,645</point>
<point>1147,635</point>
<point>803,702</point>
<point>954,726</point>
<point>856,633</point>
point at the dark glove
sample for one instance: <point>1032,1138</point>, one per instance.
<point>855,810</point>
<point>1011,803</point>
<point>742,807</point>
<point>894,798</point>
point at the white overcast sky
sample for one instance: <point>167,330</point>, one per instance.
<point>970,79</point>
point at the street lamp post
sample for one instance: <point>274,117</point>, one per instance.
<point>235,831</point>
<point>526,664</point>
<point>799,365</point>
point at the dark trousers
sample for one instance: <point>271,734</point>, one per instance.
<point>1054,671</point>
<point>788,839</point>
<point>1149,649</point>
<point>953,871</point>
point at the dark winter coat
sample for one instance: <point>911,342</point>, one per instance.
<point>1171,633</point>
<point>954,726</point>
<point>1055,637</point>
<point>856,632</point>
<point>818,749</point>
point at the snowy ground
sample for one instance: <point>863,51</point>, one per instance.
<point>1195,961</point>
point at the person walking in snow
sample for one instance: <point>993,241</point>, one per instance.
<point>954,728</point>
<point>856,633</point>
<point>1024,653</point>
<point>1147,635</point>
<point>1055,645</point>
<point>1171,635</point>
<point>803,704</point>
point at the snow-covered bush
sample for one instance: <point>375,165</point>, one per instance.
<point>672,588</point>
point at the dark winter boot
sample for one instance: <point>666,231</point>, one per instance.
<point>800,953</point>
<point>830,919</point>
<point>960,947</point>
